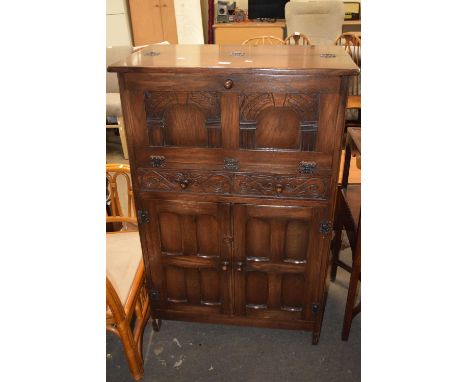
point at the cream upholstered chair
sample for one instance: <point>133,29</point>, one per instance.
<point>126,296</point>
<point>320,21</point>
<point>113,106</point>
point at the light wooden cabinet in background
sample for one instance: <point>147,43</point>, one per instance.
<point>237,33</point>
<point>153,21</point>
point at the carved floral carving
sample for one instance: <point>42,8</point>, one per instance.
<point>291,186</point>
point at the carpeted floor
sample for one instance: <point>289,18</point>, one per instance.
<point>191,352</point>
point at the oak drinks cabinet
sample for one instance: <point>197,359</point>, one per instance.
<point>234,154</point>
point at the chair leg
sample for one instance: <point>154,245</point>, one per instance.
<point>123,136</point>
<point>352,289</point>
<point>134,358</point>
<point>336,242</point>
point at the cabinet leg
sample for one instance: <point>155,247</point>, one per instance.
<point>315,338</point>
<point>156,324</point>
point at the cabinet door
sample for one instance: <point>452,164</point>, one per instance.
<point>147,27</point>
<point>277,259</point>
<point>187,245</point>
<point>169,21</point>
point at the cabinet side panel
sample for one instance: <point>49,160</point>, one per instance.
<point>327,134</point>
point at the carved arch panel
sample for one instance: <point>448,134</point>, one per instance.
<point>190,119</point>
<point>285,121</point>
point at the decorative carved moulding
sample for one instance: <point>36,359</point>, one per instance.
<point>236,183</point>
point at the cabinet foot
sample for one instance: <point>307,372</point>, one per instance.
<point>156,324</point>
<point>315,338</point>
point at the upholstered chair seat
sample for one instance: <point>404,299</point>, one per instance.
<point>123,256</point>
<point>113,105</point>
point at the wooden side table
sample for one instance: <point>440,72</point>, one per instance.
<point>237,33</point>
<point>348,217</point>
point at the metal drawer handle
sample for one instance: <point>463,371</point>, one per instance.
<point>157,160</point>
<point>183,183</point>
<point>231,164</point>
<point>307,167</point>
<point>225,265</point>
<point>240,264</point>
<point>228,84</point>
<point>279,188</point>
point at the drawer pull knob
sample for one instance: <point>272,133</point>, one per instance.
<point>225,265</point>
<point>183,183</point>
<point>240,264</point>
<point>279,188</point>
<point>228,84</point>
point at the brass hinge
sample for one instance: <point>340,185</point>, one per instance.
<point>143,217</point>
<point>325,227</point>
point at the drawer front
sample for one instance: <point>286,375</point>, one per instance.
<point>286,186</point>
<point>230,82</point>
<point>198,182</point>
<point>281,113</point>
<point>226,183</point>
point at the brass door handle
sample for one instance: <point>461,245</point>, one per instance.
<point>228,84</point>
<point>225,265</point>
<point>240,265</point>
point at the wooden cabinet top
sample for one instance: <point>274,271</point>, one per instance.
<point>277,59</point>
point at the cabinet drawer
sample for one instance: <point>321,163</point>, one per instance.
<point>286,186</point>
<point>230,82</point>
<point>233,183</point>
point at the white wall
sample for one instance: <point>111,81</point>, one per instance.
<point>118,30</point>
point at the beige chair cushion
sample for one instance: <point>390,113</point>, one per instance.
<point>113,105</point>
<point>123,255</point>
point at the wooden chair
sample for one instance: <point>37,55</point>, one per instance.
<point>120,213</point>
<point>126,297</point>
<point>298,39</point>
<point>352,44</point>
<point>263,40</point>
<point>348,218</point>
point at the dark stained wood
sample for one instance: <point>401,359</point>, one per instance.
<point>348,219</point>
<point>216,58</point>
<point>234,154</point>
<point>230,117</point>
